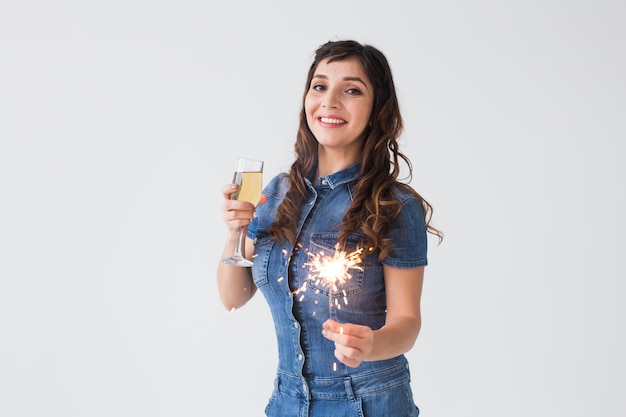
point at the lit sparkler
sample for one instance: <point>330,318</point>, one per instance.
<point>333,271</point>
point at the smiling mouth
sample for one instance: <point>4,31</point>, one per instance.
<point>332,121</point>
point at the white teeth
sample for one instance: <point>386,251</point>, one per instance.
<point>333,121</point>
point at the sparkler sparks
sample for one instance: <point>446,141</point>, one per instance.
<point>333,271</point>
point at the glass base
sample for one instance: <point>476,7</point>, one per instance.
<point>237,260</point>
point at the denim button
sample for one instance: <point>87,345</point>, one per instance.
<point>300,357</point>
<point>324,182</point>
<point>296,324</point>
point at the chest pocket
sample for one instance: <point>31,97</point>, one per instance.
<point>331,268</point>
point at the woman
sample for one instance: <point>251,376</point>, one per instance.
<point>341,349</point>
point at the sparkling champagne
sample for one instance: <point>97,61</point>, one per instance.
<point>250,186</point>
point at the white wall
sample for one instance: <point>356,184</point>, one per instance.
<point>119,122</point>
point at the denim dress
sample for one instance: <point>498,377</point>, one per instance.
<point>310,381</point>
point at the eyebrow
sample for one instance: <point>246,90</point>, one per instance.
<point>357,79</point>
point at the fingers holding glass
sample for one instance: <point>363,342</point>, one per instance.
<point>249,180</point>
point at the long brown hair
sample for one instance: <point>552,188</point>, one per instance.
<point>374,205</point>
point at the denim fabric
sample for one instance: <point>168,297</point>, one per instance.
<point>383,393</point>
<point>299,305</point>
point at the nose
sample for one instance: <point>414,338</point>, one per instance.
<point>330,100</point>
<point>327,104</point>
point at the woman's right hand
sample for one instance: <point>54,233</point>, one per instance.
<point>234,283</point>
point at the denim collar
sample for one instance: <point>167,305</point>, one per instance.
<point>346,175</point>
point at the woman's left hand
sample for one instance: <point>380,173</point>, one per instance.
<point>353,342</point>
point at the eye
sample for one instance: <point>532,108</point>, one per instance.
<point>354,91</point>
<point>318,87</point>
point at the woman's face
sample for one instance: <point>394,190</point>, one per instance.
<point>338,104</point>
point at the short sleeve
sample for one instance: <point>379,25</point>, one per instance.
<point>409,236</point>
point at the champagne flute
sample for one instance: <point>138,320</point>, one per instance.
<point>249,178</point>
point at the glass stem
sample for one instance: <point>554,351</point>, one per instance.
<point>239,245</point>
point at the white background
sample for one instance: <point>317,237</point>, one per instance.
<point>120,121</point>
